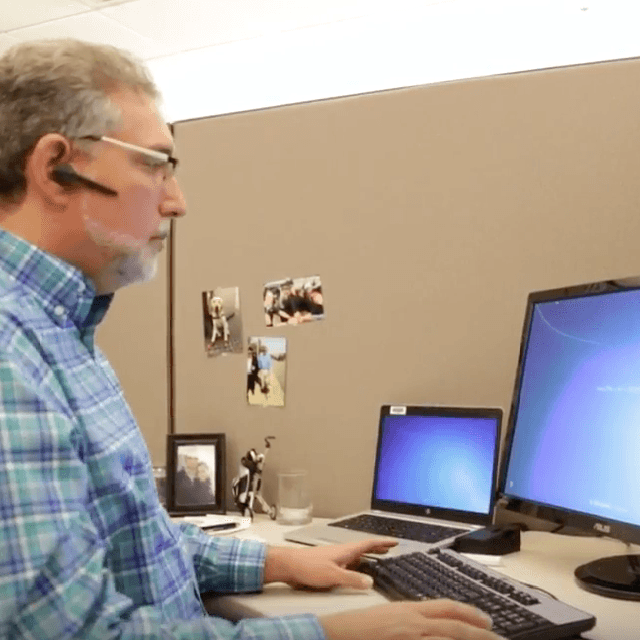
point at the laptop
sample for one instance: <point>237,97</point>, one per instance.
<point>435,467</point>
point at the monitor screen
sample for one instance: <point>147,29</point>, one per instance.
<point>573,434</point>
<point>438,461</point>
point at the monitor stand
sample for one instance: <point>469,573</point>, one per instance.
<point>615,577</point>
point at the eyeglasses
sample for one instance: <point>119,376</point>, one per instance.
<point>159,161</point>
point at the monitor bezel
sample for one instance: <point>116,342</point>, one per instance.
<point>562,517</point>
<point>430,511</point>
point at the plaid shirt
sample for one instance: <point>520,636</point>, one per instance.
<point>86,549</point>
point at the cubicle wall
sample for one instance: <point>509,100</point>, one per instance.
<point>429,213</point>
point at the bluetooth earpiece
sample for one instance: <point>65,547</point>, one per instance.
<point>66,175</point>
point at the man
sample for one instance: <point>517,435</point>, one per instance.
<point>265,362</point>
<point>185,480</point>
<point>87,191</point>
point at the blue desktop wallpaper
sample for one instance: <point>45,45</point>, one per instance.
<point>577,432</point>
<point>440,462</point>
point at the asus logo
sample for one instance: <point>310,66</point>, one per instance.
<point>602,528</point>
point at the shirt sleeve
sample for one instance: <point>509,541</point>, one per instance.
<point>54,583</point>
<point>224,564</point>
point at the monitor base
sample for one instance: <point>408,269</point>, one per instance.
<point>613,577</point>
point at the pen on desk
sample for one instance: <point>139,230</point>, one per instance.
<point>220,527</point>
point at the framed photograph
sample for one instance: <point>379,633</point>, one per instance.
<point>196,475</point>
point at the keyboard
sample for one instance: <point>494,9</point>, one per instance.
<point>398,528</point>
<point>518,612</point>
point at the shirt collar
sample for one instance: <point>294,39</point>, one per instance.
<point>65,293</point>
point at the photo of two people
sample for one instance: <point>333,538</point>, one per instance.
<point>195,475</point>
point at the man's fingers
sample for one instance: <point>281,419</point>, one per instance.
<point>355,580</point>
<point>455,610</point>
<point>436,620</point>
<point>351,579</point>
<point>373,545</point>
<point>382,546</point>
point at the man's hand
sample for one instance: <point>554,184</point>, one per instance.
<point>432,620</point>
<point>327,567</point>
<point>322,567</point>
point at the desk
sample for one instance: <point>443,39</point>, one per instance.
<point>546,560</point>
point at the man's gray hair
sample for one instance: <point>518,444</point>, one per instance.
<point>59,86</point>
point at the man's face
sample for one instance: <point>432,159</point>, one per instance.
<point>129,229</point>
<point>191,464</point>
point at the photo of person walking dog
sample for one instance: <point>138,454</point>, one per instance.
<point>266,371</point>
<point>222,321</point>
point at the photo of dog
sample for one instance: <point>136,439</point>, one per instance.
<point>222,322</point>
<point>219,320</point>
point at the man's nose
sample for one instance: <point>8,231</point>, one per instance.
<point>174,204</point>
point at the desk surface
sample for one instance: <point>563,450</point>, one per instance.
<point>545,560</point>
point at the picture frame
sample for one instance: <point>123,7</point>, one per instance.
<point>196,476</point>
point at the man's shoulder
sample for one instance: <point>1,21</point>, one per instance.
<point>18,309</point>
<point>20,324</point>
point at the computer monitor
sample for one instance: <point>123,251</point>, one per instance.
<point>572,449</point>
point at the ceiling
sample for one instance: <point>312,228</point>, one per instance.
<point>159,28</point>
<point>220,56</point>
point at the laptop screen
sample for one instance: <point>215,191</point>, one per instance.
<point>437,461</point>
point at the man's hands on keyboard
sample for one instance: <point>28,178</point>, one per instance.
<point>436,619</point>
<point>517,611</point>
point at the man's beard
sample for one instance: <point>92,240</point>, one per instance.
<point>132,262</point>
<point>135,267</point>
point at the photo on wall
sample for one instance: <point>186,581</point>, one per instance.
<point>222,321</point>
<point>266,371</point>
<point>293,301</point>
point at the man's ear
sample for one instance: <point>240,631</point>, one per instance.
<point>50,151</point>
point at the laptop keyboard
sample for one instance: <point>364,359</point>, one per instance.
<point>397,528</point>
<point>518,612</point>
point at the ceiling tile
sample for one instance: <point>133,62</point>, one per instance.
<point>93,27</point>
<point>22,13</point>
<point>102,4</point>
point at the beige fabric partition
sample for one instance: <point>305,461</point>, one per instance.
<point>429,214</point>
